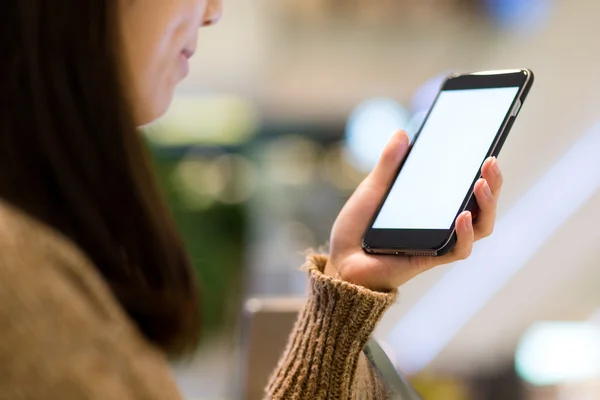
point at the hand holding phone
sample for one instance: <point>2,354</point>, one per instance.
<point>348,261</point>
<point>468,122</point>
<point>403,206</point>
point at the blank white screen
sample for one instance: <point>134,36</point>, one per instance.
<point>445,159</point>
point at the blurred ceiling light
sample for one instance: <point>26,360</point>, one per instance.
<point>553,353</point>
<point>217,119</point>
<point>519,14</point>
<point>369,128</point>
<point>430,325</point>
<point>291,160</point>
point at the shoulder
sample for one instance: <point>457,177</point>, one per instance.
<point>35,259</point>
<point>38,265</point>
<point>42,270</point>
<point>25,240</point>
<point>61,324</point>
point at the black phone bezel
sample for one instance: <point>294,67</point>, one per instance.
<point>439,242</point>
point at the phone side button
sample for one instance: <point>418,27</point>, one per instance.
<point>500,144</point>
<point>516,108</point>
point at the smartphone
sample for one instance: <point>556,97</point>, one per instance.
<point>468,122</point>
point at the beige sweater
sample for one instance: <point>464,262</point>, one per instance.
<point>64,336</point>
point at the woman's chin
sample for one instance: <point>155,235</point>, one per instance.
<point>148,115</point>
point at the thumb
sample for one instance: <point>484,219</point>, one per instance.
<point>358,211</point>
<point>388,164</point>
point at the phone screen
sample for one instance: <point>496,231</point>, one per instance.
<point>445,159</point>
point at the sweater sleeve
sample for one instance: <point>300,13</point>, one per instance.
<point>324,358</point>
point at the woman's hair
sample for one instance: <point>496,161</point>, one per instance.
<point>70,155</point>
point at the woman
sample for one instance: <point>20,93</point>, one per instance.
<point>96,290</point>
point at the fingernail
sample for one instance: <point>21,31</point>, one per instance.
<point>495,166</point>
<point>469,220</point>
<point>487,190</point>
<point>405,139</point>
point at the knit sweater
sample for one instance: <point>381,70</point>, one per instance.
<point>64,336</point>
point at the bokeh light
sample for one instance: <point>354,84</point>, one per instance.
<point>519,15</point>
<point>243,178</point>
<point>369,128</point>
<point>559,352</point>
<point>200,180</point>
<point>203,181</point>
<point>291,160</point>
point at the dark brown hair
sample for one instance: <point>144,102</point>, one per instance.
<point>70,155</point>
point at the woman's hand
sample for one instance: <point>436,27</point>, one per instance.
<point>349,262</point>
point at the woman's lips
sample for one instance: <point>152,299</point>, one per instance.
<point>185,56</point>
<point>185,65</point>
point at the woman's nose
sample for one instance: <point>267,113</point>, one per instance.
<point>213,13</point>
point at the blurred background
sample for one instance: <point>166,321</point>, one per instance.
<point>287,108</point>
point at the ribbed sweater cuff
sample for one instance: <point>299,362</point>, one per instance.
<point>330,334</point>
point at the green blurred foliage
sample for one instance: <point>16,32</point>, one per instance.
<point>215,239</point>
